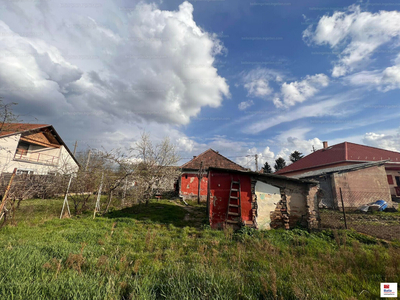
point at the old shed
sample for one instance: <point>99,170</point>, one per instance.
<point>259,200</point>
<point>193,181</point>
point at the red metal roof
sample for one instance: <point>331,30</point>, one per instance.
<point>12,128</point>
<point>340,153</point>
<point>211,158</point>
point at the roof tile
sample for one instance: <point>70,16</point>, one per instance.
<point>211,158</point>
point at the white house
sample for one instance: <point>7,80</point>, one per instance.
<point>34,149</point>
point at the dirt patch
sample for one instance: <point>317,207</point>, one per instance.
<point>384,225</point>
<point>194,215</point>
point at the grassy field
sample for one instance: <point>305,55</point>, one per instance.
<point>164,251</point>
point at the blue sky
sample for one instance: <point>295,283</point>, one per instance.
<point>241,77</point>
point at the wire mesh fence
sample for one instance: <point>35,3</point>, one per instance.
<point>364,212</point>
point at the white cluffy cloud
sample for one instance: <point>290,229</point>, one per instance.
<point>299,91</point>
<point>383,80</point>
<point>382,140</point>
<point>257,82</point>
<point>158,66</point>
<point>245,104</point>
<point>355,35</point>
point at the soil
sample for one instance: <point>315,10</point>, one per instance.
<point>384,225</point>
<point>195,215</point>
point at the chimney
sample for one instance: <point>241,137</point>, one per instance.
<point>325,143</point>
<point>194,156</point>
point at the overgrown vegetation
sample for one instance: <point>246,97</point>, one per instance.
<point>154,252</point>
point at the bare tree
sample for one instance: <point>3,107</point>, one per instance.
<point>118,166</point>
<point>155,169</point>
<point>7,115</point>
<point>85,181</point>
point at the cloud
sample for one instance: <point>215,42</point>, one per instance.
<point>159,69</point>
<point>386,80</point>
<point>245,104</point>
<point>330,107</point>
<point>381,140</point>
<point>256,82</point>
<point>295,140</point>
<point>358,33</point>
<point>299,91</point>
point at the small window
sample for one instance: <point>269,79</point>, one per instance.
<point>398,180</point>
<point>390,179</point>
<point>186,176</point>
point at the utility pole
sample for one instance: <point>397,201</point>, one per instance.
<point>76,144</point>
<point>256,160</point>
<point>88,159</point>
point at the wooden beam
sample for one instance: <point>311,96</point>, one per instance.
<point>32,141</point>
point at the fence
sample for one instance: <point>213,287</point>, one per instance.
<point>347,214</point>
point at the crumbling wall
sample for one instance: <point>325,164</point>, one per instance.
<point>298,206</point>
<point>268,196</point>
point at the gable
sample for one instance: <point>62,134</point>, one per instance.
<point>211,159</point>
<point>42,139</point>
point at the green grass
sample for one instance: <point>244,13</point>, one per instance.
<point>152,252</point>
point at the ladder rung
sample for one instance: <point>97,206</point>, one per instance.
<point>233,214</point>
<point>233,205</point>
<point>234,190</point>
<point>235,182</point>
<point>234,197</point>
<point>232,221</point>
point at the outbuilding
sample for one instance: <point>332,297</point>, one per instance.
<point>193,180</point>
<point>261,201</point>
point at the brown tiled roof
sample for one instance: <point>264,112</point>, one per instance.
<point>12,128</point>
<point>211,158</point>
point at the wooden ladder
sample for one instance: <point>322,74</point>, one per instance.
<point>234,211</point>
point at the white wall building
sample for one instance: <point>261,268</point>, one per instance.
<point>34,149</point>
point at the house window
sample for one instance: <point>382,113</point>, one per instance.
<point>390,179</point>
<point>22,148</point>
<point>186,176</point>
<point>398,180</point>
